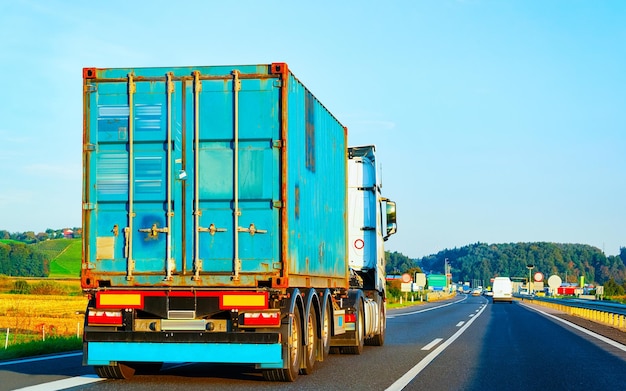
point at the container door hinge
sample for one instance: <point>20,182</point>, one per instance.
<point>89,206</point>
<point>277,144</point>
<point>237,269</point>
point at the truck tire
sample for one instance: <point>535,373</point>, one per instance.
<point>294,354</point>
<point>117,371</point>
<point>326,322</point>
<point>379,339</point>
<point>310,349</point>
<point>358,332</point>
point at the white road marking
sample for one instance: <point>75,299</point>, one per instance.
<point>460,323</point>
<point>413,372</point>
<point>63,384</point>
<point>432,344</point>
<point>424,310</point>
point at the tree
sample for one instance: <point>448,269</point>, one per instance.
<point>397,263</point>
<point>25,261</point>
<point>5,261</point>
<point>611,288</point>
<point>483,262</point>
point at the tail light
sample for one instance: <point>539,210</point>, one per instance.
<point>104,318</point>
<point>261,319</point>
<point>350,318</point>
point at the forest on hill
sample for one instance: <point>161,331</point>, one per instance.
<point>21,259</point>
<point>30,237</point>
<point>481,261</point>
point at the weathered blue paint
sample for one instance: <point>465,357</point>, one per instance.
<point>292,176</point>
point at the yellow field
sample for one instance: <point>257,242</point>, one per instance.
<point>37,315</point>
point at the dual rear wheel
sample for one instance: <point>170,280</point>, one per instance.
<point>301,357</point>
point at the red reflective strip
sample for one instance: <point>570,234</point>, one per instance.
<point>228,300</point>
<point>350,318</point>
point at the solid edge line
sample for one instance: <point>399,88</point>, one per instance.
<point>43,358</point>
<point>602,338</point>
<point>413,372</point>
<point>63,384</point>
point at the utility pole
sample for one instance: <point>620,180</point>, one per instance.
<point>530,267</point>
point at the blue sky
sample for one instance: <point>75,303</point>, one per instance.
<point>496,121</point>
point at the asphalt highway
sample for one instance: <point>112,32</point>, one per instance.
<point>466,343</point>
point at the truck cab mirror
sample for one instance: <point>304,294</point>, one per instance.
<point>392,226</point>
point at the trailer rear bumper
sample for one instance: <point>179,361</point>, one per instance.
<point>107,353</point>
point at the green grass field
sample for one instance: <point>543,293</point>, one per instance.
<point>7,241</point>
<point>64,256</point>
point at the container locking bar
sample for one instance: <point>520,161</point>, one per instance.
<point>131,176</point>
<point>197,88</point>
<point>170,264</point>
<point>236,210</point>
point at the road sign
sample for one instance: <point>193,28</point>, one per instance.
<point>554,282</point>
<point>420,279</point>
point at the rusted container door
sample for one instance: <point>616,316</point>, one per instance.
<point>132,233</point>
<point>237,183</point>
<point>181,177</point>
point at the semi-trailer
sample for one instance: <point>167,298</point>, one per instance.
<point>226,220</point>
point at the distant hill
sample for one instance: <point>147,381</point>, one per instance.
<point>481,261</point>
<point>64,256</point>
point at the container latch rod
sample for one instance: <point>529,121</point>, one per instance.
<point>212,229</point>
<point>252,229</point>
<point>154,231</point>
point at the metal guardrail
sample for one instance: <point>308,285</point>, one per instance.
<point>611,314</point>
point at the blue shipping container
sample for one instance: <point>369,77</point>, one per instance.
<point>216,176</point>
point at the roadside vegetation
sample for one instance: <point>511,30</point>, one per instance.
<point>39,317</point>
<point>38,348</point>
<point>40,314</point>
